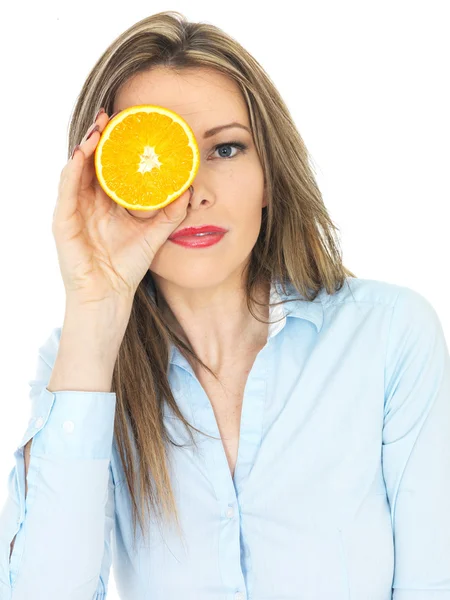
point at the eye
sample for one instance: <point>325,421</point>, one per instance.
<point>241,147</point>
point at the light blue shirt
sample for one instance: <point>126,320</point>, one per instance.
<point>341,488</point>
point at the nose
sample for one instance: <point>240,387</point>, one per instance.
<point>198,201</point>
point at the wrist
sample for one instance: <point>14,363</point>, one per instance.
<point>98,330</point>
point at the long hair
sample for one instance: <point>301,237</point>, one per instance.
<point>296,245</point>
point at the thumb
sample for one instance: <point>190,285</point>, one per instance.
<point>176,211</point>
<point>166,221</point>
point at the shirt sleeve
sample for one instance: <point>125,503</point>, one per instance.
<point>416,449</point>
<point>63,526</point>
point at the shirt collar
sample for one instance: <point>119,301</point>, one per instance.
<point>300,308</point>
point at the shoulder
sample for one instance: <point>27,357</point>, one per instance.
<point>401,316</point>
<point>395,309</point>
<point>375,292</point>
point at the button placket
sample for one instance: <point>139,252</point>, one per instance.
<point>230,512</point>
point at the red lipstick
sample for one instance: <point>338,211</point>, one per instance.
<point>198,237</point>
<point>199,229</point>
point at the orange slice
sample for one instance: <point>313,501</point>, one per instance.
<point>147,156</point>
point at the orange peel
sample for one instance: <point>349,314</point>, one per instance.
<point>147,156</point>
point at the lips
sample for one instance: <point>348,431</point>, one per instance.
<point>198,241</point>
<point>196,231</point>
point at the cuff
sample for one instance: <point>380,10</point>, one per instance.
<point>71,424</point>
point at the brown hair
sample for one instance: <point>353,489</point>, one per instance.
<point>296,244</point>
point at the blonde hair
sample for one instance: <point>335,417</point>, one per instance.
<point>296,244</point>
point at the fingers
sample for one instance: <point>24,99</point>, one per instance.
<point>92,135</point>
<point>172,212</point>
<point>88,146</point>
<point>67,193</point>
<point>78,173</point>
<point>159,229</point>
<point>177,210</point>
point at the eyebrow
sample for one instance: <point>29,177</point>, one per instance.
<point>215,130</point>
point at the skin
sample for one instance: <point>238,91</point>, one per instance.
<point>201,286</point>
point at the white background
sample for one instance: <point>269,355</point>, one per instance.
<point>367,85</point>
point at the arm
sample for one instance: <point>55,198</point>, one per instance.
<point>416,449</point>
<point>54,536</point>
<point>76,368</point>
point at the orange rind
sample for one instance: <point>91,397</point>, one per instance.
<point>147,156</point>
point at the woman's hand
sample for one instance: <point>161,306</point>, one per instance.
<point>103,250</point>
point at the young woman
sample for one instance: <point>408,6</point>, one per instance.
<point>278,427</point>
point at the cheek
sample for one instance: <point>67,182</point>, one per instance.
<point>163,260</point>
<point>247,228</point>
<point>234,248</point>
<point>242,211</point>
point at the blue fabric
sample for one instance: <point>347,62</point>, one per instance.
<point>341,488</point>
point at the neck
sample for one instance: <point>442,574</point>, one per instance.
<point>221,333</point>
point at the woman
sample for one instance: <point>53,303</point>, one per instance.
<point>277,427</point>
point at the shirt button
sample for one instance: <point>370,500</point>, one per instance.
<point>239,596</point>
<point>68,426</point>
<point>230,513</point>
<point>39,422</point>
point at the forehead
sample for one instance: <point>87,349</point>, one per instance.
<point>204,98</point>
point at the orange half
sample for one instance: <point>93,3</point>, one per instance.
<point>147,156</point>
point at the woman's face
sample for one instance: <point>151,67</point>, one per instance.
<point>228,192</point>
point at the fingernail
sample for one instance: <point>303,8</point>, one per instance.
<point>74,150</point>
<point>101,110</point>
<point>96,128</point>
<point>88,132</point>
